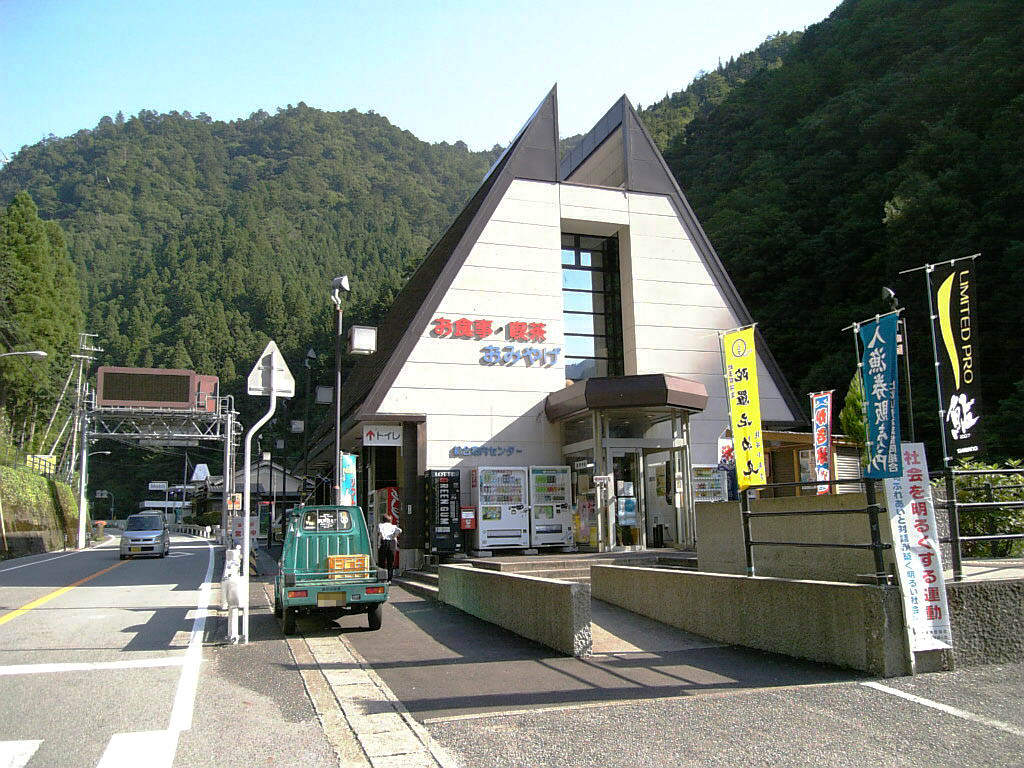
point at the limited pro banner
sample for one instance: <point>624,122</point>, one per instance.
<point>881,396</point>
<point>955,302</point>
<point>916,549</point>
<point>821,418</point>
<point>744,407</point>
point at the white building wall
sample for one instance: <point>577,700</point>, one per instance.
<point>677,311</point>
<point>672,312</point>
<point>512,274</point>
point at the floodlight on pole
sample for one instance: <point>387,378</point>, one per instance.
<point>35,354</point>
<point>338,285</point>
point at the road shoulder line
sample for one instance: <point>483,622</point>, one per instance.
<point>963,714</point>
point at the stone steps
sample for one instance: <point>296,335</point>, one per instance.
<point>419,583</point>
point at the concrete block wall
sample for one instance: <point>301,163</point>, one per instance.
<point>720,538</point>
<point>552,612</point>
<point>850,625</point>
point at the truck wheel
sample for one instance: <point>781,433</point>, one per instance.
<point>288,620</point>
<point>375,615</point>
<point>278,611</point>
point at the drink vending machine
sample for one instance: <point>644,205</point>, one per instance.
<point>500,497</point>
<point>551,507</point>
<point>444,536</point>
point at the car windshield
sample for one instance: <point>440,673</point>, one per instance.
<point>149,523</point>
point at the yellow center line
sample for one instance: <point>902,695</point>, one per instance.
<point>47,598</point>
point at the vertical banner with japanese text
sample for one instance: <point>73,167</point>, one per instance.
<point>916,549</point>
<point>881,396</point>
<point>956,333</point>
<point>744,407</point>
<point>348,480</point>
<point>821,420</point>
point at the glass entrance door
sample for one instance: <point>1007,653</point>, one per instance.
<point>628,471</point>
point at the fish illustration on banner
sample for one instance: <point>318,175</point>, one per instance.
<point>878,370</point>
<point>744,406</point>
<point>955,329</point>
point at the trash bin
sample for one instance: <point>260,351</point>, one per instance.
<point>658,537</point>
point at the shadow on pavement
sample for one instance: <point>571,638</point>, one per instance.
<point>441,662</point>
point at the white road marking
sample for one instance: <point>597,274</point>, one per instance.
<point>185,698</point>
<point>154,748</point>
<point>40,562</point>
<point>16,754</point>
<point>42,669</point>
<point>58,557</point>
<point>999,724</point>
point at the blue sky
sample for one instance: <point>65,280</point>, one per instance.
<point>444,70</point>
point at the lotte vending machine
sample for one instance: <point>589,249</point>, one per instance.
<point>551,507</point>
<point>500,497</point>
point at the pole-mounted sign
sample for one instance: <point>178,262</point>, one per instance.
<point>270,376</point>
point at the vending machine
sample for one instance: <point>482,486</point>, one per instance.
<point>551,522</point>
<point>444,536</point>
<point>500,497</point>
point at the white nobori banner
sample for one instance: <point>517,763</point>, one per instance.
<point>918,558</point>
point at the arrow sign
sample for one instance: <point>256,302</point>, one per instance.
<point>270,375</point>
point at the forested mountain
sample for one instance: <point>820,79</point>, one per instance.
<point>821,164</point>
<point>40,309</point>
<point>668,118</point>
<point>890,137</point>
<point>198,240</point>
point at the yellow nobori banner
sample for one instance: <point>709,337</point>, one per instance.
<point>744,406</point>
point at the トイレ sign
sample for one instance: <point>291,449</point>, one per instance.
<point>382,435</point>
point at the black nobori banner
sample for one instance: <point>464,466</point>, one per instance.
<point>954,291</point>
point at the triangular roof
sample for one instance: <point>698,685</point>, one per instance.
<point>533,154</point>
<point>643,169</point>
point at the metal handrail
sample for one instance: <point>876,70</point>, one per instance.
<point>877,546</point>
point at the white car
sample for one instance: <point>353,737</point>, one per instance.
<point>145,534</point>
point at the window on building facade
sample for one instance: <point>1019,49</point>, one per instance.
<point>591,305</point>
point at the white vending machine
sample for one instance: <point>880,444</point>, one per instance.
<point>503,515</point>
<point>551,507</point>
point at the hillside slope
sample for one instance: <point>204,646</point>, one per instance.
<point>889,137</point>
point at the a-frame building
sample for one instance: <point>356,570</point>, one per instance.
<point>569,316</point>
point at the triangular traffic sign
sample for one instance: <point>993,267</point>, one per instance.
<point>270,375</point>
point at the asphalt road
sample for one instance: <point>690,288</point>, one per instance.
<point>109,663</point>
<point>660,697</point>
<point>102,662</point>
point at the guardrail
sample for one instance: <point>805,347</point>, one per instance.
<point>954,507</point>
<point>204,531</point>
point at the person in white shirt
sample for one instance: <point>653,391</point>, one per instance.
<point>389,533</point>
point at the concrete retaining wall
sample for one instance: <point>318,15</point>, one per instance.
<point>850,625</point>
<point>549,611</point>
<point>988,621</point>
<point>39,514</point>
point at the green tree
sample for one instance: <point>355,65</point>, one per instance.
<point>851,417</point>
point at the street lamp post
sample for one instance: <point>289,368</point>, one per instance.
<point>308,365</point>
<point>36,354</point>
<point>338,285</point>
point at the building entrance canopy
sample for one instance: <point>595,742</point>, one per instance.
<point>650,390</point>
<point>635,431</point>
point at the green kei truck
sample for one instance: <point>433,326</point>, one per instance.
<point>327,568</point>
